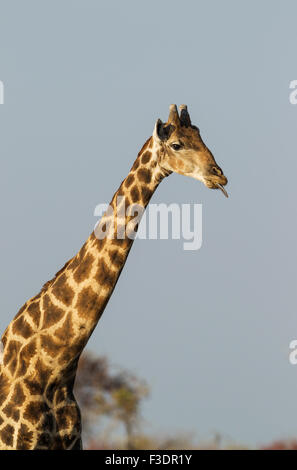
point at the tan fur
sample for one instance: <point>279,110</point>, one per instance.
<point>44,341</point>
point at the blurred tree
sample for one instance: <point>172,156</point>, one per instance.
<point>290,444</point>
<point>108,399</point>
<point>111,398</point>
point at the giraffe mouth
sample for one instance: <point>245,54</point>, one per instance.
<point>219,186</point>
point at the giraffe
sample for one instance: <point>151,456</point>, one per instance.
<point>43,343</point>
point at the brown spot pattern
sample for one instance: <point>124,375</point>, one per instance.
<point>11,351</point>
<point>117,258</point>
<point>18,396</point>
<point>47,421</point>
<point>146,157</point>
<point>21,310</point>
<point>78,258</point>
<point>33,311</point>
<point>144,175</point>
<point>25,437</point>
<point>66,331</point>
<point>35,410</point>
<point>49,345</point>
<point>6,435</point>
<point>60,396</point>
<point>66,416</point>
<point>62,290</point>
<point>44,440</point>
<point>105,276</point>
<point>42,372</point>
<point>83,270</point>
<point>129,180</point>
<point>87,302</point>
<point>34,387</point>
<point>49,283</point>
<point>12,366</point>
<point>11,412</point>
<point>135,194</point>
<point>145,194</point>
<point>52,313</point>
<point>21,327</point>
<point>25,355</point>
<point>136,164</point>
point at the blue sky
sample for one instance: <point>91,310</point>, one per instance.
<point>84,83</point>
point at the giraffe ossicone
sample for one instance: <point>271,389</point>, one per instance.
<point>43,343</point>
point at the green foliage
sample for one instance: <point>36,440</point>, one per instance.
<point>108,399</point>
<point>111,399</point>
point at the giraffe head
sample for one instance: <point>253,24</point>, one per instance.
<point>182,150</point>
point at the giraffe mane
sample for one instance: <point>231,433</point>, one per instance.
<point>51,281</point>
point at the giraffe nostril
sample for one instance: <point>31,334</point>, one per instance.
<point>217,171</point>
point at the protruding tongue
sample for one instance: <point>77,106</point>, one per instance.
<point>222,189</point>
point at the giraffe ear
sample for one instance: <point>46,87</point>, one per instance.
<point>162,131</point>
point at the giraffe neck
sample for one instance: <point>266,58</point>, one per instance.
<point>43,342</point>
<point>54,326</point>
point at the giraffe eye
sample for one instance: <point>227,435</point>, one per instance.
<point>176,146</point>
